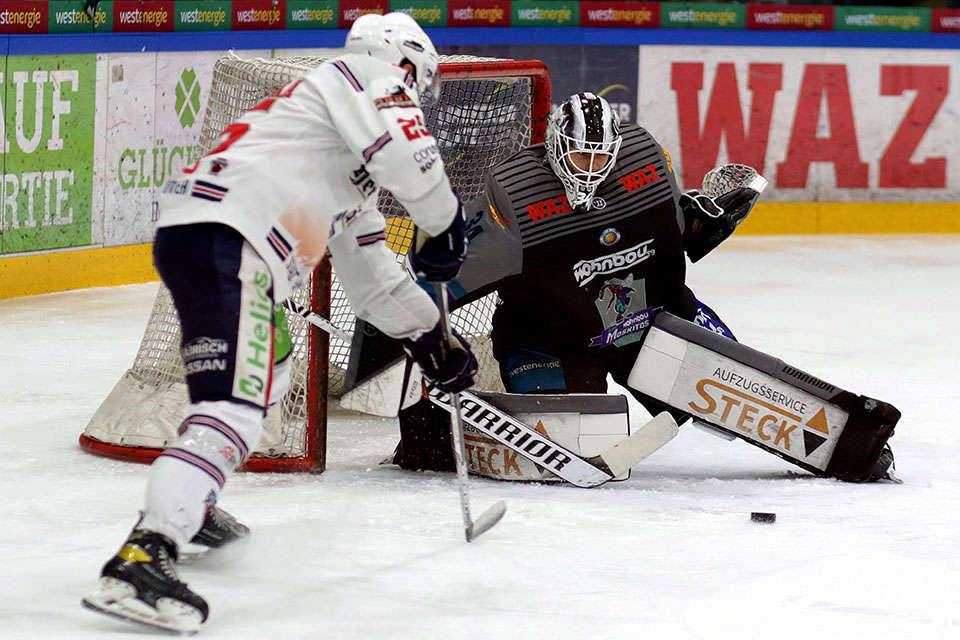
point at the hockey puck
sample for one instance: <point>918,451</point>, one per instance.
<point>759,516</point>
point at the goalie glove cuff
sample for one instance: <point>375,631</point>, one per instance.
<point>710,221</point>
<point>696,205</point>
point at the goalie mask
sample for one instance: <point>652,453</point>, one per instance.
<point>397,38</point>
<point>583,138</point>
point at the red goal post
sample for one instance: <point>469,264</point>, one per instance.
<point>488,110</point>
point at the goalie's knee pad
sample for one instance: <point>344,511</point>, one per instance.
<point>190,473</point>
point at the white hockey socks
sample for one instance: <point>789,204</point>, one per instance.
<point>190,473</point>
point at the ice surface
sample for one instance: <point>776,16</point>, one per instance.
<point>367,551</point>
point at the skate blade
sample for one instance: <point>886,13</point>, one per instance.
<point>198,554</point>
<point>117,599</point>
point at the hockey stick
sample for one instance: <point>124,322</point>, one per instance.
<point>317,320</point>
<point>532,445</point>
<point>490,517</point>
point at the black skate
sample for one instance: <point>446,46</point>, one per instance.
<point>885,469</point>
<point>219,528</point>
<point>139,584</point>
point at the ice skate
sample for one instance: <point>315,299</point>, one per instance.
<point>219,529</point>
<point>139,584</point>
<point>886,469</point>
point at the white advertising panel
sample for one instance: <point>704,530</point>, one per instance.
<point>154,105</point>
<point>821,124</point>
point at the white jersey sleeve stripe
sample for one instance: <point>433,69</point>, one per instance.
<point>352,79</point>
<point>380,143</point>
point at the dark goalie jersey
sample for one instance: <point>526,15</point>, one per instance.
<point>578,280</point>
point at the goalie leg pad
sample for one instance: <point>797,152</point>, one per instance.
<point>190,473</point>
<point>760,399</point>
<point>425,439</point>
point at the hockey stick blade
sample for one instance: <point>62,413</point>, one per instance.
<point>622,456</point>
<point>486,520</point>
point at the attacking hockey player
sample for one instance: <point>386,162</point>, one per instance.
<point>294,178</point>
<point>583,238</point>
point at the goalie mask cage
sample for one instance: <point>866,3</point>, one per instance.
<point>488,110</point>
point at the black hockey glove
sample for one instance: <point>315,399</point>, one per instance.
<point>451,367</point>
<point>438,258</point>
<point>710,221</point>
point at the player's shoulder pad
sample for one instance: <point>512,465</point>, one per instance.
<point>635,134</point>
<point>372,77</point>
<point>518,167</point>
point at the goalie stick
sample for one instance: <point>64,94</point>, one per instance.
<point>532,445</point>
<point>558,460</point>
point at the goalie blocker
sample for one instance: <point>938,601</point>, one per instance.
<point>758,398</point>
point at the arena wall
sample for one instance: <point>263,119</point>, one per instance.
<point>854,133</point>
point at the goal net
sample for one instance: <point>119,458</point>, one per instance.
<point>489,109</point>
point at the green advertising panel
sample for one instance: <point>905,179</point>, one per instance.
<point>429,13</point>
<point>201,15</point>
<point>48,117</point>
<point>70,16</point>
<point>312,14</point>
<point>702,15</point>
<point>881,19</point>
<point>545,13</point>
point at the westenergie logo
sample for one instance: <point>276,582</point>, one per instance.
<point>29,19</point>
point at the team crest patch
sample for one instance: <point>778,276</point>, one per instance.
<point>609,236</point>
<point>622,304</point>
<point>208,191</point>
<point>217,165</point>
<point>400,100</point>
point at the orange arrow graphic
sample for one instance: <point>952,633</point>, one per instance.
<point>819,422</point>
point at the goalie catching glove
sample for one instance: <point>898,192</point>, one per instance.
<point>451,367</point>
<point>438,258</point>
<point>710,221</point>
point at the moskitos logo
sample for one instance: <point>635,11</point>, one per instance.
<point>187,98</point>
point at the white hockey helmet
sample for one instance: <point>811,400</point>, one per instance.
<point>397,38</point>
<point>583,138</point>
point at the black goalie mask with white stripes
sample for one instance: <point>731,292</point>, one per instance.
<point>583,138</point>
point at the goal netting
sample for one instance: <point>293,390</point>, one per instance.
<point>488,110</point>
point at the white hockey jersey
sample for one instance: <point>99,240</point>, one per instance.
<point>303,169</point>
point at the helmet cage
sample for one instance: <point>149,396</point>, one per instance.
<point>584,124</point>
